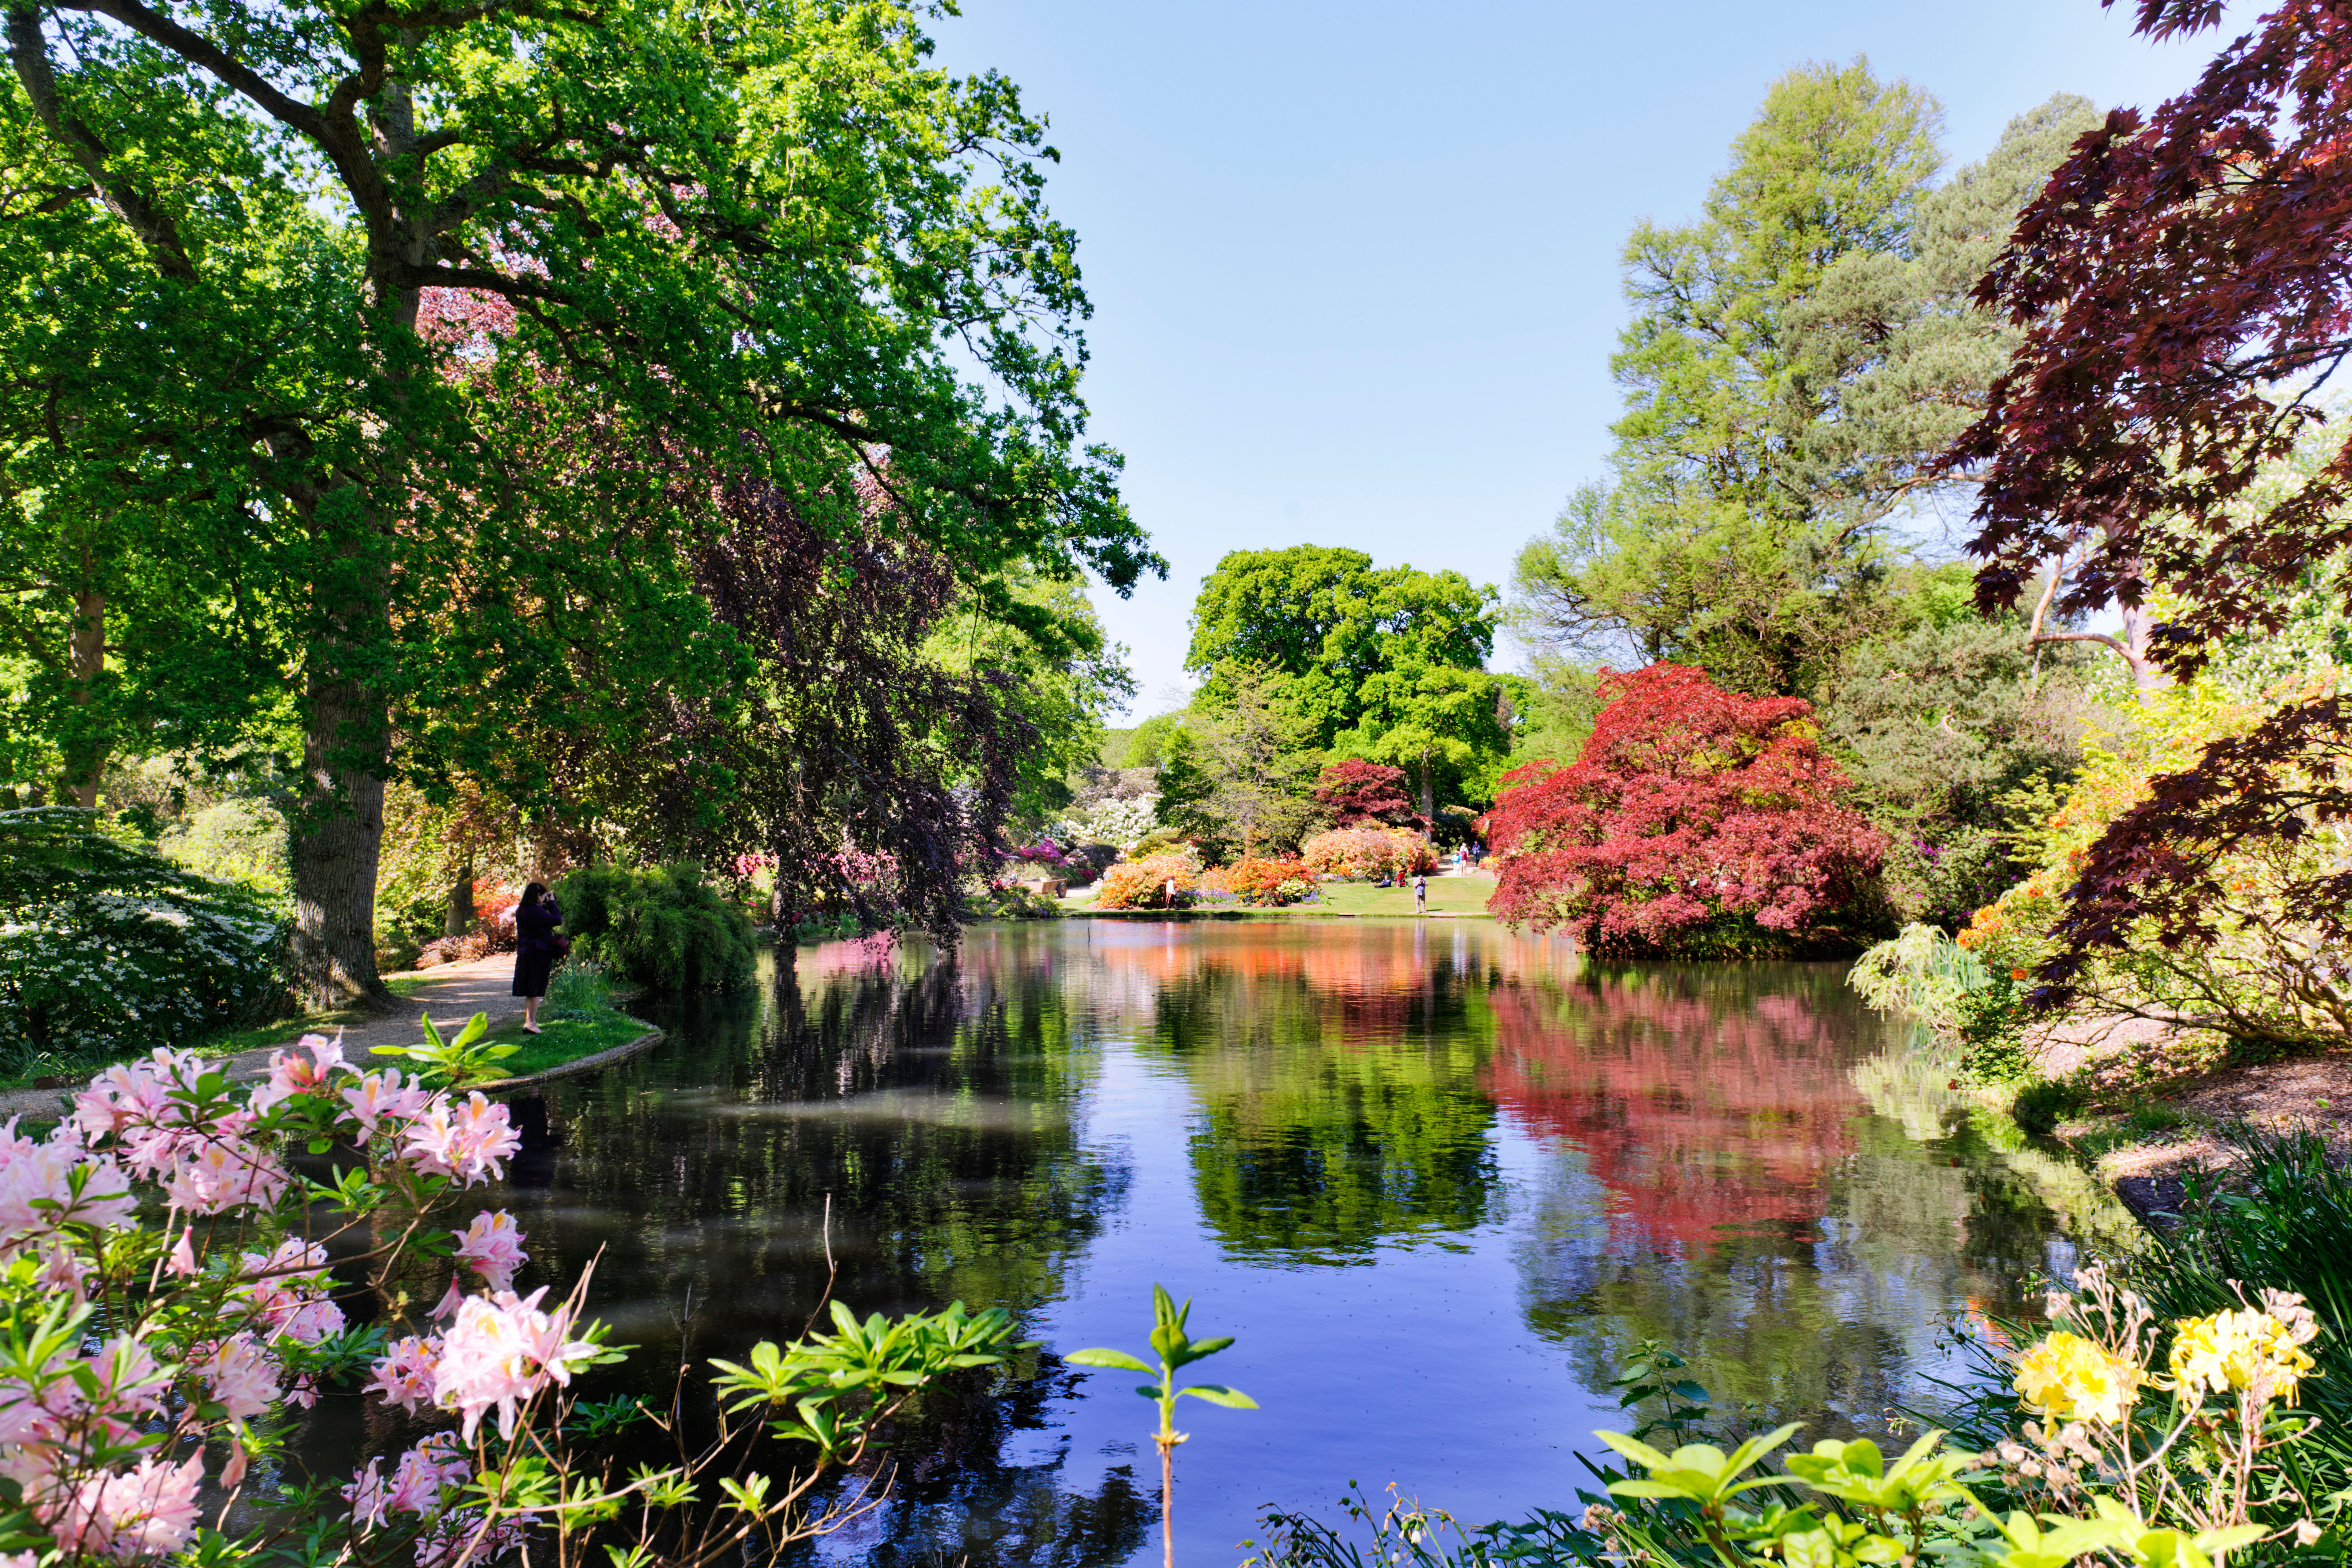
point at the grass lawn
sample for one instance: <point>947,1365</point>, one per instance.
<point>1447,895</point>
<point>565,1040</point>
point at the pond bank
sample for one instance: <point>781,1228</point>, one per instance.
<point>454,995</point>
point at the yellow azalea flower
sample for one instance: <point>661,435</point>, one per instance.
<point>2068,1378</point>
<point>2235,1351</point>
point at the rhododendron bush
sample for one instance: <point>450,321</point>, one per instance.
<point>1154,882</point>
<point>173,1289</point>
<point>1265,881</point>
<point>1694,819</point>
<point>1367,852</point>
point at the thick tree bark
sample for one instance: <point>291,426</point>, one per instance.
<point>338,837</point>
<point>1428,792</point>
<point>460,917</point>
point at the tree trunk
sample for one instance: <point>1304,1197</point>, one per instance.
<point>1428,792</point>
<point>460,917</point>
<point>337,838</point>
<point>2148,676</point>
<point>86,757</point>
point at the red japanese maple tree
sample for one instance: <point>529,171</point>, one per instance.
<point>2185,284</point>
<point>1357,792</point>
<point>1694,819</point>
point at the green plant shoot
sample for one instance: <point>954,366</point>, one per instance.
<point>1176,1349</point>
<point>459,1062</point>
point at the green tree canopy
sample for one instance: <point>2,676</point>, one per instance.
<point>1385,664</point>
<point>1330,621</point>
<point>773,243</point>
<point>1710,545</point>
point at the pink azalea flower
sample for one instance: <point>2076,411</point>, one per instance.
<point>420,1482</point>
<point>182,1261</point>
<point>131,1094</point>
<point>63,1269</point>
<point>223,1173</point>
<point>382,1097</point>
<point>466,1140</point>
<point>293,1073</point>
<point>37,1183</point>
<point>405,1375</point>
<point>130,1381</point>
<point>454,1538</point>
<point>294,1303</point>
<point>499,1352</point>
<point>492,1247</point>
<point>137,1514</point>
<point>239,1375</point>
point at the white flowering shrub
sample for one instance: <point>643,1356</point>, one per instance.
<point>105,948</point>
<point>167,1299</point>
<point>1121,824</point>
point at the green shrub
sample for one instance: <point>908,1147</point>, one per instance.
<point>1992,1033</point>
<point>1923,972</point>
<point>107,950</point>
<point>665,929</point>
<point>579,988</point>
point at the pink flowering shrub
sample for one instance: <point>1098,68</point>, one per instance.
<point>168,1288</point>
<point>1368,851</point>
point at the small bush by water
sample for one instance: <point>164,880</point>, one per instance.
<point>665,928</point>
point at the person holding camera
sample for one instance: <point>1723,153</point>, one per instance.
<point>538,944</point>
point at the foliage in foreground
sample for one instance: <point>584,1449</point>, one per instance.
<point>1695,820</point>
<point>1174,1349</point>
<point>169,1288</point>
<point>2098,1472</point>
<point>105,947</point>
<point>665,928</point>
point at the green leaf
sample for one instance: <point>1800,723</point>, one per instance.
<point>1217,1394</point>
<point>1120,1359</point>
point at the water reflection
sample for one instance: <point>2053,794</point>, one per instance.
<point>1438,1179</point>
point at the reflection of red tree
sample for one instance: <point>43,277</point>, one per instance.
<point>1695,1110</point>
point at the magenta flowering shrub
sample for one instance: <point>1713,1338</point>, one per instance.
<point>169,1288</point>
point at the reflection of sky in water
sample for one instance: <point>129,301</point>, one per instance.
<point>1436,1179</point>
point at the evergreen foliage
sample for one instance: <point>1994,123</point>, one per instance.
<point>1712,545</point>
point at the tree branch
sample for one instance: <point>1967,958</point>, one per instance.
<point>154,228</point>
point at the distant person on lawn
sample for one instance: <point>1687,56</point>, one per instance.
<point>536,947</point>
<point>1419,893</point>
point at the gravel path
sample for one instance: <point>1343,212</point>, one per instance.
<point>456,993</point>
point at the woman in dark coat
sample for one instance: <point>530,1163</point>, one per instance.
<point>536,918</point>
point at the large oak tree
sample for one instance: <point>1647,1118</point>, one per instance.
<point>770,233</point>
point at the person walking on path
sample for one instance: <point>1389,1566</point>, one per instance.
<point>1420,892</point>
<point>536,947</point>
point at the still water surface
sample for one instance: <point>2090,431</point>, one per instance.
<point>1437,1178</point>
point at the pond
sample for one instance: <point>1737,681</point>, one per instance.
<point>1439,1179</point>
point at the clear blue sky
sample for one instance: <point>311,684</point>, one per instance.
<point>1354,265</point>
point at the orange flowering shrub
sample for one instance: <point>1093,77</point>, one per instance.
<point>1154,882</point>
<point>1269,882</point>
